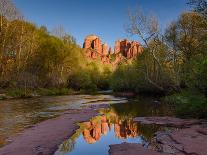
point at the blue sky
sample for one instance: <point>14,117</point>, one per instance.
<point>105,18</point>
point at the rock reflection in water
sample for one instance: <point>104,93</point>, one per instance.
<point>114,126</point>
<point>94,129</point>
<point>95,136</point>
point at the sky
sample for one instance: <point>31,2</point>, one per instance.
<point>104,18</point>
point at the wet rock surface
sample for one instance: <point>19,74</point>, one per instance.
<point>190,141</point>
<point>167,121</point>
<point>44,137</point>
<point>188,137</point>
<point>132,149</point>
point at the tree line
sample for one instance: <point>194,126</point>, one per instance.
<point>171,60</point>
<point>31,57</point>
<point>174,62</point>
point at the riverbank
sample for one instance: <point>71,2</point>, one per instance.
<point>187,137</point>
<point>45,137</point>
<point>54,120</point>
<point>32,93</point>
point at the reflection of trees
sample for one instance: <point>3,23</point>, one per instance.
<point>123,127</point>
<point>67,146</point>
<point>141,107</point>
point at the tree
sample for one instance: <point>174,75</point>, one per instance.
<point>199,6</point>
<point>147,28</point>
<point>186,39</point>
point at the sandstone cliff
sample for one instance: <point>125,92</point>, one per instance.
<point>123,50</point>
<point>127,48</point>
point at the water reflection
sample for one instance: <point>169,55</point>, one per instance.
<point>16,115</point>
<point>94,137</point>
<point>113,126</point>
<point>100,126</point>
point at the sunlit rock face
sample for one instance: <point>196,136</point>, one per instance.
<point>123,50</point>
<point>93,42</point>
<point>127,48</point>
<point>95,49</point>
<point>105,50</point>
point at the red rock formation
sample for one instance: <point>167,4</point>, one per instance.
<point>96,44</point>
<point>93,42</point>
<point>127,48</point>
<point>88,41</point>
<point>105,59</point>
<point>123,50</point>
<point>105,49</point>
<point>110,51</point>
<point>117,47</point>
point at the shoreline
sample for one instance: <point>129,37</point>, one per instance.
<point>45,137</point>
<point>187,137</point>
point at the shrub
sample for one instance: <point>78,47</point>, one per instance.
<point>19,92</point>
<point>81,80</point>
<point>189,104</point>
<point>53,91</point>
<point>124,79</point>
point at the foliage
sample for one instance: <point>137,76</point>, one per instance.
<point>189,104</point>
<point>53,91</point>
<point>81,80</point>
<point>93,77</point>
<point>199,6</point>
<point>19,92</point>
<point>143,75</point>
<point>170,61</point>
<point>32,58</point>
<point>124,79</point>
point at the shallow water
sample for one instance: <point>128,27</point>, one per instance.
<point>16,115</point>
<point>114,126</point>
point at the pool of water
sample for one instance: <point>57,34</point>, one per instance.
<point>114,126</point>
<point>16,115</point>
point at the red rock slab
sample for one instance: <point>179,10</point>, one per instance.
<point>167,121</point>
<point>44,138</point>
<point>131,149</point>
<point>191,140</point>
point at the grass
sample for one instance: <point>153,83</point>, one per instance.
<point>54,91</point>
<point>19,93</point>
<point>22,93</point>
<point>188,104</point>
